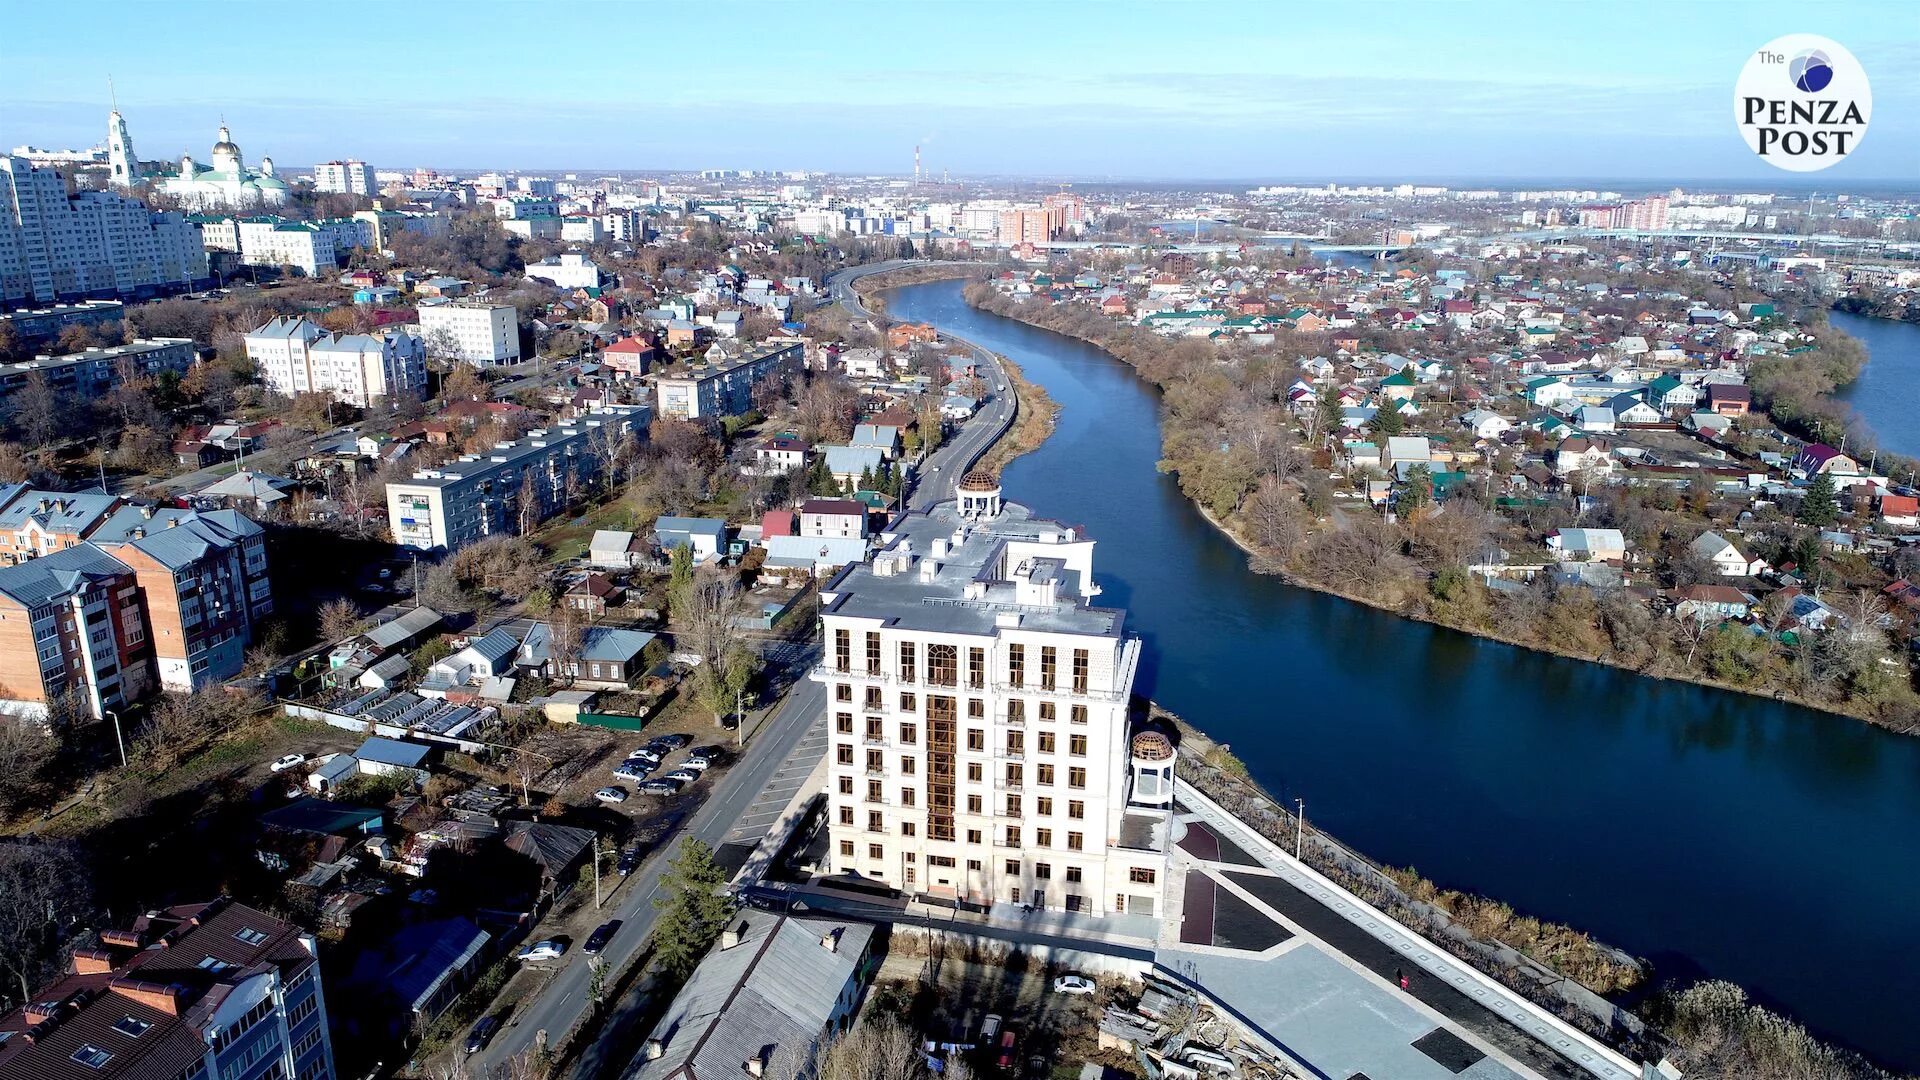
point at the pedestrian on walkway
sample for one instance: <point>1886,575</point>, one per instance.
<point>1403,977</point>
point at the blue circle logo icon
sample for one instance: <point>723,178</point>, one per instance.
<point>1811,71</point>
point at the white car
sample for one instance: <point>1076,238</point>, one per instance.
<point>291,761</point>
<point>611,795</point>
<point>1073,984</point>
<point>685,776</point>
<point>696,764</point>
<point>542,950</point>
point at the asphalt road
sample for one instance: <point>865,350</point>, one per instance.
<point>556,1006</point>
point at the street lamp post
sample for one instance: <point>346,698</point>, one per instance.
<point>118,739</point>
<point>1299,827</point>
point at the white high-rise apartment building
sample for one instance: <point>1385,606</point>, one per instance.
<point>293,356</point>
<point>977,706</point>
<point>277,242</point>
<point>344,177</point>
<point>480,334</point>
<point>56,247</point>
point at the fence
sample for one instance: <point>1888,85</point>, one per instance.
<point>615,721</point>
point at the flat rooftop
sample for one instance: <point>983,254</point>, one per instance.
<point>941,570</point>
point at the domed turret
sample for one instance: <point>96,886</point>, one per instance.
<point>1151,755</point>
<point>226,154</point>
<point>266,166</point>
<point>979,494</point>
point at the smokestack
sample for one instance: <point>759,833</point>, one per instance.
<point>916,163</point>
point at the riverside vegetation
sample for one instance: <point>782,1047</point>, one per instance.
<point>1264,475</point>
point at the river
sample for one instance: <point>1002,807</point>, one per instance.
<point>1885,393</point>
<point>1715,834</point>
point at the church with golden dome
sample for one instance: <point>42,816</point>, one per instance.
<point>226,183</point>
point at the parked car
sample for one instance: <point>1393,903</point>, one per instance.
<point>600,936</point>
<point>543,950</point>
<point>683,775</point>
<point>707,753</point>
<point>647,754</point>
<point>612,795</point>
<point>629,861</point>
<point>1073,984</point>
<point>670,742</point>
<point>1005,1061</point>
<point>696,764</point>
<point>291,761</point>
<point>482,1033</point>
<point>989,1028</point>
<point>633,770</point>
<point>666,785</point>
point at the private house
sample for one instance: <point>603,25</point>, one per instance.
<point>1588,545</point>
<point>610,658</point>
<point>612,549</point>
<point>1486,424</point>
<point>1899,511</point>
<point>1726,558</point>
<point>850,464</point>
<point>881,437</point>
<point>780,454</point>
<point>487,657</point>
<point>1667,393</point>
<point>630,357</point>
<point>1548,391</point>
<point>762,1002</point>
<point>833,517</point>
<point>1816,458</point>
<point>591,595</point>
<point>706,537</point>
<point>820,556</point>
<point>421,970</point>
<point>1598,419</point>
<point>1632,409</point>
<point>1406,449</point>
<point>1710,603</point>
<point>1729,399</point>
<point>1581,454</point>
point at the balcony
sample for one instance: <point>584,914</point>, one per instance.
<point>875,740</point>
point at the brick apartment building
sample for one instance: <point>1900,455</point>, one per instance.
<point>214,991</point>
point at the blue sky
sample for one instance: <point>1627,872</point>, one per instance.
<point>1147,91</point>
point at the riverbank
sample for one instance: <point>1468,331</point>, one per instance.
<point>1460,602</point>
<point>869,287</point>
<point>1674,821</point>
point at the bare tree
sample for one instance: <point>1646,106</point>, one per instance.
<point>44,894</point>
<point>882,1048</point>
<point>339,619</point>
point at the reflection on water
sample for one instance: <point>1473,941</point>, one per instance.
<point>1713,832</point>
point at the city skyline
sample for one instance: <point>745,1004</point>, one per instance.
<point>1059,91</point>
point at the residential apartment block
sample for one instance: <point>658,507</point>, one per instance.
<point>71,621</point>
<point>479,334</point>
<point>203,586</point>
<point>36,325</point>
<point>978,711</point>
<point>214,991</point>
<point>293,356</point>
<point>57,247</point>
<point>344,177</point>
<point>35,522</point>
<point>714,391</point>
<point>479,495</point>
<point>95,371</point>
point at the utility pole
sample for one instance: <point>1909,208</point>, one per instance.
<point>1299,828</point>
<point>596,871</point>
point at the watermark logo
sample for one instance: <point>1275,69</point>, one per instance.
<point>1802,103</point>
